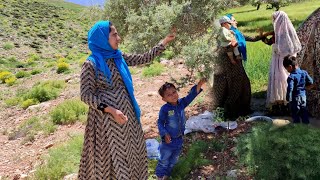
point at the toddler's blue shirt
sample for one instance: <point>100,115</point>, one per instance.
<point>172,118</point>
<point>297,82</point>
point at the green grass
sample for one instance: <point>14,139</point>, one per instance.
<point>69,111</point>
<point>295,145</point>
<point>259,55</point>
<point>194,158</point>
<point>28,129</point>
<point>8,46</point>
<point>155,69</point>
<point>62,160</point>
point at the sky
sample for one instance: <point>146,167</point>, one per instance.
<point>87,2</point>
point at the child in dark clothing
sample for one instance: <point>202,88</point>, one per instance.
<point>297,81</point>
<point>171,125</point>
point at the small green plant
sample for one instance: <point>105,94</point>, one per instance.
<point>35,71</point>
<point>8,46</point>
<point>11,80</point>
<point>152,164</point>
<point>168,54</point>
<point>34,57</point>
<point>40,92</point>
<point>133,70</point>
<point>219,114</point>
<point>31,127</point>
<point>154,69</point>
<point>22,74</point>
<point>63,67</point>
<point>62,160</point>
<point>193,159</point>
<point>68,112</point>
<point>28,102</point>
<point>82,60</point>
<point>12,101</point>
<point>4,75</point>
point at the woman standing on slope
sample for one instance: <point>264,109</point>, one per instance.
<point>114,146</point>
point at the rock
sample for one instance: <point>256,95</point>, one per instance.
<point>73,176</point>
<point>146,128</point>
<point>152,93</point>
<point>28,143</point>
<point>23,176</point>
<point>164,61</point>
<point>48,145</point>
<point>38,107</point>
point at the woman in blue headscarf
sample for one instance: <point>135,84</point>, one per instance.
<point>114,146</point>
<point>231,85</point>
<point>241,38</point>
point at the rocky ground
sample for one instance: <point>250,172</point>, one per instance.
<point>19,159</point>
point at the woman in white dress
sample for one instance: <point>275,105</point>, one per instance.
<point>284,42</point>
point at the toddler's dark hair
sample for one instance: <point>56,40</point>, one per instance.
<point>289,60</point>
<point>164,87</point>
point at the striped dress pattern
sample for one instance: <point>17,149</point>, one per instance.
<point>110,150</point>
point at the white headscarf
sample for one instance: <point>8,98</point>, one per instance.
<point>286,38</point>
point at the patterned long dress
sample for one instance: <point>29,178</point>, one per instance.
<point>110,150</point>
<point>231,86</point>
<point>308,58</point>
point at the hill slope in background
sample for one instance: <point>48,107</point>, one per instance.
<point>41,27</point>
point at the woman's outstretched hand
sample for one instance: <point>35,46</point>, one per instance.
<point>118,116</point>
<point>169,37</point>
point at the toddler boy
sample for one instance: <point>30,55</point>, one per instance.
<point>227,37</point>
<point>297,81</point>
<point>171,125</point>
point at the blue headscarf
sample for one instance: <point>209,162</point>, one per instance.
<point>98,41</point>
<point>241,40</point>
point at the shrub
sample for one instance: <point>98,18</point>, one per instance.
<point>31,127</point>
<point>34,57</point>
<point>68,112</point>
<point>22,74</point>
<point>12,101</point>
<point>133,70</point>
<point>42,91</point>
<point>82,60</point>
<point>154,69</point>
<point>62,67</point>
<point>35,71</point>
<point>28,102</point>
<point>289,152</point>
<point>11,80</point>
<point>62,160</point>
<point>193,159</point>
<point>8,46</point>
<point>168,54</point>
<point>5,75</point>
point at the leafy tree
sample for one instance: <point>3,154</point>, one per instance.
<point>143,23</point>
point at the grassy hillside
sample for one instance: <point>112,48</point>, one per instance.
<point>259,54</point>
<point>42,27</point>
